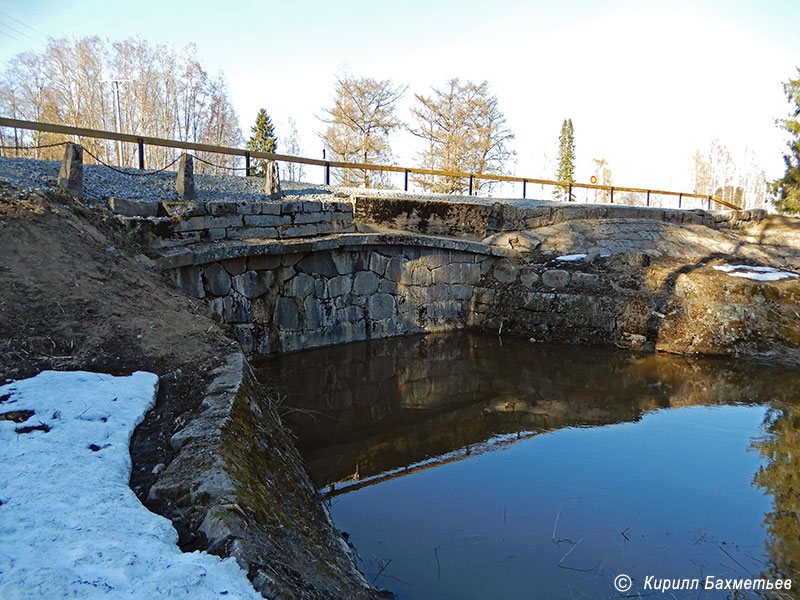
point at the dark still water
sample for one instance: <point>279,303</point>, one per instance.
<point>467,467</point>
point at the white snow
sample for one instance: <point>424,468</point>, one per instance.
<point>70,527</point>
<point>571,257</point>
<point>755,273</point>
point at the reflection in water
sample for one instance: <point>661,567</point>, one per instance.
<point>559,508</point>
<point>780,477</point>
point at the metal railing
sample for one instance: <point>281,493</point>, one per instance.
<point>141,141</point>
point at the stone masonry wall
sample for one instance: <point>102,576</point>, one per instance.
<point>191,222</point>
<point>305,299</point>
<point>476,221</point>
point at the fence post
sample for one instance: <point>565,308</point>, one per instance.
<point>709,203</point>
<point>524,185</point>
<point>648,197</point>
<point>141,154</point>
<point>247,164</point>
<point>405,182</point>
<point>470,185</point>
<point>327,172</point>
<point>680,199</point>
<point>612,194</point>
<point>569,197</point>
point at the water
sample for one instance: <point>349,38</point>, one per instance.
<point>464,466</point>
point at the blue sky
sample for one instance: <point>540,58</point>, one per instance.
<point>645,83</point>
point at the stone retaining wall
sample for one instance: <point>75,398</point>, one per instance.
<point>239,485</point>
<point>166,225</point>
<point>476,221</point>
<point>293,295</point>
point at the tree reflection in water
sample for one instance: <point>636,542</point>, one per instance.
<point>780,477</point>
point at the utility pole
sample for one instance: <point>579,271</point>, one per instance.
<point>117,116</point>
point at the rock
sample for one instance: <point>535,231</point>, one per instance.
<point>70,176</point>
<point>272,184</point>
<point>190,280</point>
<point>395,268</point>
<point>555,278</point>
<point>339,286</point>
<point>365,283</point>
<point>635,259</point>
<point>301,285</point>
<point>184,184</point>
<point>378,263</point>
<point>505,272</point>
<point>318,263</point>
<point>590,280</point>
<point>136,208</point>
<point>235,266</point>
<point>251,284</point>
<point>218,282</point>
<point>311,312</point>
<point>529,277</point>
<point>380,306</point>
<point>286,313</point>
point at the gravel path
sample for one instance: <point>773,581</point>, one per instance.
<point>101,182</point>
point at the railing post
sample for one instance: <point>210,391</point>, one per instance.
<point>648,197</point>
<point>470,185</point>
<point>524,185</point>
<point>247,164</point>
<point>612,194</point>
<point>327,172</point>
<point>405,180</point>
<point>141,154</point>
<point>680,199</point>
<point>569,196</point>
<point>709,203</point>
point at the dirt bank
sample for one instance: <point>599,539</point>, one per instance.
<point>76,294</point>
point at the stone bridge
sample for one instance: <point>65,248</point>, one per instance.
<point>306,273</point>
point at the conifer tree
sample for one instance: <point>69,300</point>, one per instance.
<point>566,160</point>
<point>262,140</point>
<point>787,189</point>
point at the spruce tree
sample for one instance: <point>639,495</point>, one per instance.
<point>262,140</point>
<point>787,189</point>
<point>566,160</point>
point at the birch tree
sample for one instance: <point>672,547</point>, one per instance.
<point>293,171</point>
<point>164,94</point>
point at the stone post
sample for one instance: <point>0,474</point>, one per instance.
<point>184,185</point>
<point>272,183</point>
<point>70,176</point>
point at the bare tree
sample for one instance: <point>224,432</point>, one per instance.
<point>603,174</point>
<point>363,115</point>
<point>717,173</point>
<point>293,171</point>
<point>464,131</point>
<point>164,95</point>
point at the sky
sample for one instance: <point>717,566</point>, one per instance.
<point>645,83</point>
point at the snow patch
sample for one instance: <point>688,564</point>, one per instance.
<point>571,257</point>
<point>755,273</point>
<point>70,527</point>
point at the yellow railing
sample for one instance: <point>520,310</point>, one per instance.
<point>328,164</point>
